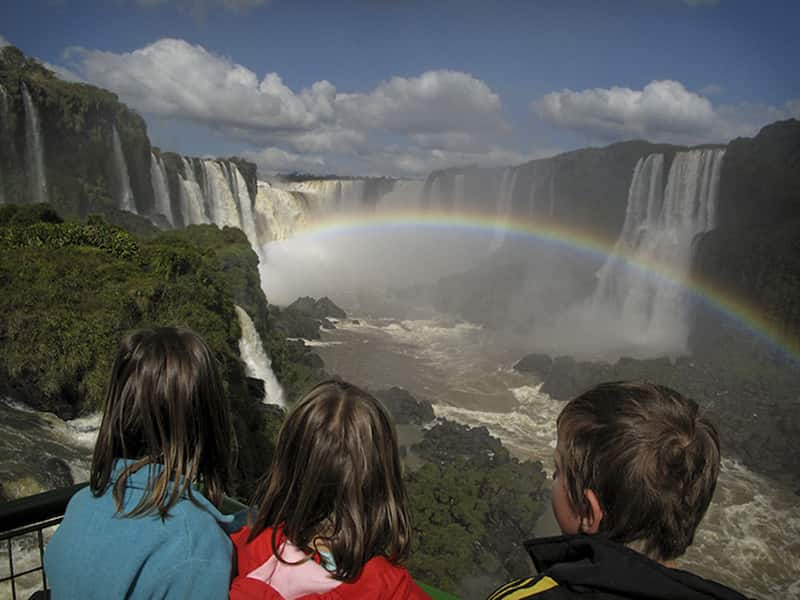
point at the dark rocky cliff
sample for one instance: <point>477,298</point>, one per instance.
<point>76,123</point>
<point>584,190</point>
<point>754,253</point>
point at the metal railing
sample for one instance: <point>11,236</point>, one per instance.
<point>34,514</point>
<point>26,516</point>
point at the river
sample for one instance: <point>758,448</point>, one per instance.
<point>750,538</point>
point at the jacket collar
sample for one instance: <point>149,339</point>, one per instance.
<point>592,562</point>
<point>147,474</point>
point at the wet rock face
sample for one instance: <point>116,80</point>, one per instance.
<point>317,309</point>
<point>304,317</point>
<point>404,408</point>
<point>447,442</point>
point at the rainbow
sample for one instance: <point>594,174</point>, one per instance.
<point>571,238</point>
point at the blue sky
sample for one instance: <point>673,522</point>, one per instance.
<point>402,87</point>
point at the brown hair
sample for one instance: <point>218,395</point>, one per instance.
<point>649,457</point>
<point>335,477</point>
<point>165,405</point>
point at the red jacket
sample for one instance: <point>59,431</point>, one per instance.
<point>380,579</point>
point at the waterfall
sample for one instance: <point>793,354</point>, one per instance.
<point>503,203</point>
<point>158,178</point>
<point>191,196</point>
<point>219,196</point>
<point>324,196</point>
<point>34,150</point>
<point>242,197</point>
<point>532,199</point>
<point>124,193</point>
<point>459,193</point>
<point>3,112</point>
<point>404,195</point>
<point>5,137</point>
<point>257,363</point>
<point>660,226</point>
<point>278,213</point>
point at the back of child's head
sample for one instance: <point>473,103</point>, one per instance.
<point>335,479</point>
<point>649,457</point>
<point>165,405</point>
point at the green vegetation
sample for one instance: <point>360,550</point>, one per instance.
<point>470,518</point>
<point>70,290</point>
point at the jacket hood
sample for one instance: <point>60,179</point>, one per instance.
<point>597,564</point>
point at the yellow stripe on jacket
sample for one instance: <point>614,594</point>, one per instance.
<point>524,588</point>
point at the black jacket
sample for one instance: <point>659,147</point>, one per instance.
<point>592,568</point>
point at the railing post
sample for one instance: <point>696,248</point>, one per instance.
<point>41,558</point>
<point>11,571</point>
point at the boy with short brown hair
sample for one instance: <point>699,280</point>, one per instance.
<point>636,467</point>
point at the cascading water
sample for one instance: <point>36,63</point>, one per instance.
<point>404,195</point>
<point>4,135</point>
<point>459,193</point>
<point>34,150</point>
<point>256,361</point>
<point>238,186</point>
<point>191,196</point>
<point>324,196</point>
<point>219,195</point>
<point>158,178</point>
<point>660,227</point>
<point>278,213</point>
<point>124,194</point>
<point>503,202</point>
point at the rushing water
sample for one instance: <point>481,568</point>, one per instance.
<point>38,451</point>
<point>661,223</point>
<point>124,194</point>
<point>158,178</point>
<point>750,539</point>
<point>34,150</point>
<point>256,360</point>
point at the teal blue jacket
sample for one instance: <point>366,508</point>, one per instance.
<point>97,553</point>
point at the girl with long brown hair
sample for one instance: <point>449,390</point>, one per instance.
<point>330,517</point>
<point>142,529</point>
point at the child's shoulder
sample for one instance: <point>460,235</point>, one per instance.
<point>250,554</point>
<point>381,578</point>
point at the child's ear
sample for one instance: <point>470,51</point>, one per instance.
<point>591,523</point>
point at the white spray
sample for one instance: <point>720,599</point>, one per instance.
<point>258,364</point>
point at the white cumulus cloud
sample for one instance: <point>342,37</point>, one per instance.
<point>437,114</point>
<point>663,111</point>
<point>174,78</point>
<point>435,102</point>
